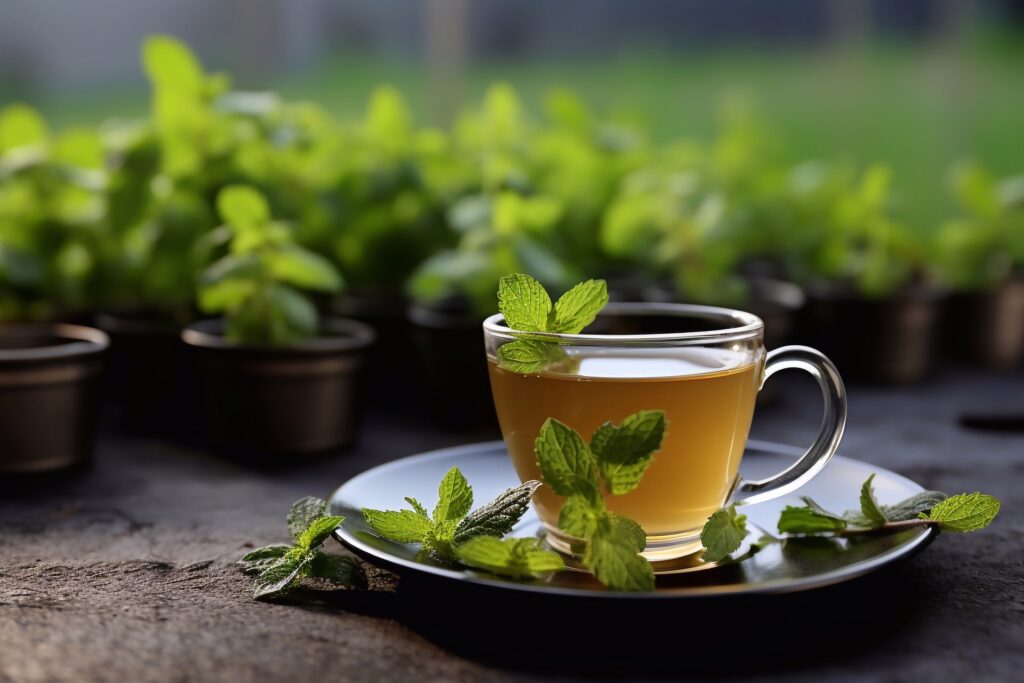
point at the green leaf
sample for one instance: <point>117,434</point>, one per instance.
<point>723,534</point>
<point>532,356</point>
<point>417,506</point>
<point>302,513</point>
<point>21,125</point>
<point>295,309</point>
<point>869,507</point>
<point>965,512</point>
<point>282,576</point>
<point>242,207</point>
<point>612,557</point>
<point>170,64</point>
<point>817,509</point>
<point>454,497</point>
<point>805,520</point>
<point>401,526</point>
<point>497,517</point>
<point>302,268</point>
<point>633,530</point>
<point>580,515</point>
<point>512,557</point>
<point>318,532</point>
<point>266,552</point>
<point>913,506</point>
<point>342,570</point>
<point>578,307</point>
<point>524,303</point>
<point>623,453</point>
<point>225,295</point>
<point>566,463</point>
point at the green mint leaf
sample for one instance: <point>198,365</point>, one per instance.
<point>565,461</point>
<point>869,506</point>
<point>631,529</point>
<point>283,575</point>
<point>818,510</point>
<point>578,307</point>
<point>579,515</point>
<point>342,570</point>
<point>524,303</point>
<point>302,514</point>
<point>965,512</point>
<point>318,532</point>
<point>624,452</point>
<point>530,356</point>
<point>806,520</point>
<point>417,506</point>
<point>913,506</point>
<point>612,557</point>
<point>497,517</point>
<point>259,559</point>
<point>441,539</point>
<point>242,207</point>
<point>723,533</point>
<point>512,557</point>
<point>401,526</point>
<point>454,497</point>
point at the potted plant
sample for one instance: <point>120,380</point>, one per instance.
<point>981,255</point>
<point>871,305</point>
<point>276,378</point>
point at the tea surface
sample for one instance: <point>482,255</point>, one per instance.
<point>708,399</point>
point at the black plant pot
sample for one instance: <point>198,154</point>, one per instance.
<point>887,341</point>
<point>986,327</point>
<point>453,365</point>
<point>50,388</point>
<point>151,382</point>
<point>267,400</point>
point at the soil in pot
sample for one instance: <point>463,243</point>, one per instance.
<point>267,400</point>
<point>453,364</point>
<point>887,340</point>
<point>50,389</point>
<point>151,385</point>
<point>986,327</point>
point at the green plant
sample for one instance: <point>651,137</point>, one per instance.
<point>982,248</point>
<point>258,284</point>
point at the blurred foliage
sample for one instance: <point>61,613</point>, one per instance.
<point>127,216</point>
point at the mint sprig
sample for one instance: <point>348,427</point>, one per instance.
<point>961,513</point>
<point>526,306</point>
<point>280,568</point>
<point>454,534</point>
<point>615,460</point>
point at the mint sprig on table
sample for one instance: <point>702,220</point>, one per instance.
<point>616,458</point>
<point>965,512</point>
<point>280,568</point>
<point>527,307</point>
<point>452,533</point>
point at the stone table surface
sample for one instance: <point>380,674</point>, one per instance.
<point>125,573</point>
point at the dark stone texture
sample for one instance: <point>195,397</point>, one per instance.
<point>125,572</point>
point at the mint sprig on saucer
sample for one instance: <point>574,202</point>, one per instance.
<point>527,307</point>
<point>965,512</point>
<point>453,534</point>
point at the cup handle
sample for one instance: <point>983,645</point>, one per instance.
<point>833,422</point>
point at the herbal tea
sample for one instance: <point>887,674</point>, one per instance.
<point>708,398</point>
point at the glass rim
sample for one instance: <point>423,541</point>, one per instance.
<point>747,326</point>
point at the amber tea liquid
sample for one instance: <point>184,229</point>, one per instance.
<point>708,398</point>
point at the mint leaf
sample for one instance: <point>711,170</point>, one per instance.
<point>524,303</point>
<point>817,509</point>
<point>631,529</point>
<point>723,533</point>
<point>611,555</point>
<point>913,506</point>
<point>259,559</point>
<point>512,557</point>
<point>318,532</point>
<point>343,570</point>
<point>579,516</point>
<point>417,506</point>
<point>531,356</point>
<point>280,577</point>
<point>566,463</point>
<point>441,539</point>
<point>497,517</point>
<point>624,452</point>
<point>805,520</point>
<point>869,506</point>
<point>454,497</point>
<point>578,307</point>
<point>302,514</point>
<point>964,512</point>
<point>401,526</point>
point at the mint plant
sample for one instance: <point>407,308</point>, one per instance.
<point>280,568</point>
<point>259,284</point>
